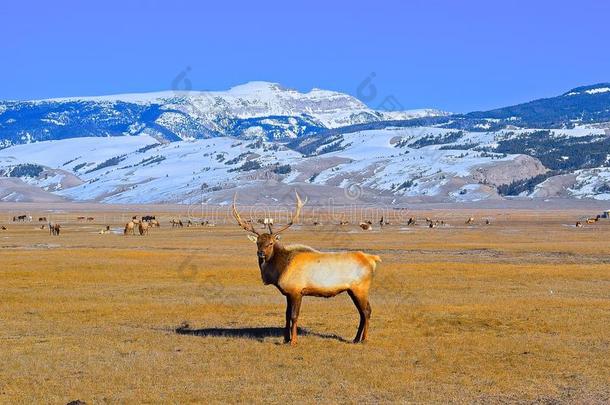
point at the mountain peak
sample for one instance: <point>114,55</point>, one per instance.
<point>591,89</point>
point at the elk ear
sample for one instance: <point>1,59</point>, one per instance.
<point>252,238</point>
<point>277,237</point>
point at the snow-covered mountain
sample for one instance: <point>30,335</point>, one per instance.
<point>354,154</point>
<point>255,109</point>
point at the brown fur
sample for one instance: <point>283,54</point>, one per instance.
<point>276,262</point>
<point>293,271</point>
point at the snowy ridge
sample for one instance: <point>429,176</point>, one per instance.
<point>175,146</point>
<point>411,164</point>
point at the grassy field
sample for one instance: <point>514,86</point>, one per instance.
<point>514,311</point>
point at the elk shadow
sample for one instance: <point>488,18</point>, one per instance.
<point>253,333</point>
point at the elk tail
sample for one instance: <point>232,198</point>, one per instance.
<point>373,260</point>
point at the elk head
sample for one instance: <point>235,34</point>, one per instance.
<point>265,241</point>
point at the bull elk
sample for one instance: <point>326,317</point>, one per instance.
<point>298,271</point>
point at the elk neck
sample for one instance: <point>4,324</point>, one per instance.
<point>272,269</point>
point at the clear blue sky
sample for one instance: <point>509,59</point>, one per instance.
<point>455,55</point>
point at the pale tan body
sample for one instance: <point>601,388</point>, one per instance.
<point>130,227</point>
<point>326,274</point>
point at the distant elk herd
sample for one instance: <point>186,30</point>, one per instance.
<point>142,225</point>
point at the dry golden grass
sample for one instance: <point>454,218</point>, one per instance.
<point>516,311</point>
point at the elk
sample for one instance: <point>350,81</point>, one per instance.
<point>366,226</point>
<point>469,221</point>
<point>130,227</point>
<point>591,220</point>
<point>3,228</point>
<point>411,221</point>
<point>80,218</point>
<point>176,222</point>
<point>143,228</point>
<point>298,271</point>
<point>343,223</point>
<point>89,219</point>
<point>54,229</point>
<point>42,219</point>
<point>104,230</point>
<point>578,224</point>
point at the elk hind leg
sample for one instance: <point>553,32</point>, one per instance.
<point>364,309</point>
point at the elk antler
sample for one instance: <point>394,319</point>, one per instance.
<point>295,216</point>
<point>247,226</point>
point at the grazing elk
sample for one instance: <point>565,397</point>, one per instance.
<point>90,219</point>
<point>470,221</point>
<point>298,271</point>
<point>80,218</point>
<point>154,223</point>
<point>148,218</point>
<point>366,226</point>
<point>591,220</point>
<point>42,219</point>
<point>176,222</point>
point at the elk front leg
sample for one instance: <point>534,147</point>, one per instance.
<point>288,318</point>
<point>295,301</point>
